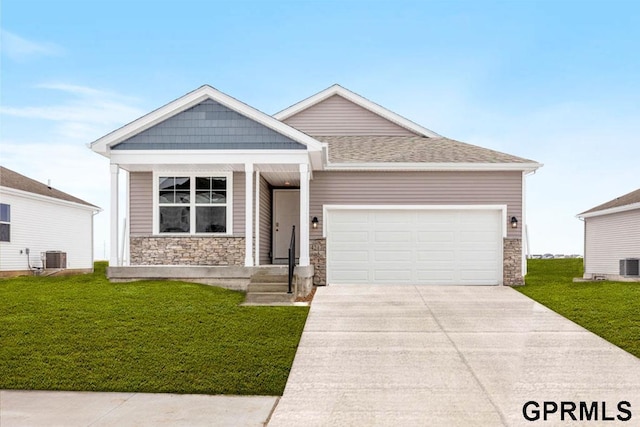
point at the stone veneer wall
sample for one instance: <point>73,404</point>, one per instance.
<point>191,250</point>
<point>318,258</point>
<point>512,262</point>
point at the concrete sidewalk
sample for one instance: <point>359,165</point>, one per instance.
<point>82,409</point>
<point>449,356</point>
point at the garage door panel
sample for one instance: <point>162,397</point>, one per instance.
<point>392,236</point>
<point>435,236</point>
<point>435,255</point>
<point>380,246</point>
<point>353,256</point>
<point>386,255</point>
<point>352,237</point>
<point>391,276</point>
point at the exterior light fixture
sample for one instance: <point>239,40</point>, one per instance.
<point>314,222</point>
<point>514,222</point>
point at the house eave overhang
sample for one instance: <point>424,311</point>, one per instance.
<point>358,100</point>
<point>525,167</point>
<point>47,199</point>
<point>609,211</point>
<point>153,158</point>
<point>102,145</point>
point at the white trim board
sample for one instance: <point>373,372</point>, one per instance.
<point>527,167</point>
<point>617,209</point>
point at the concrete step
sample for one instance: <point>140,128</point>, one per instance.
<point>268,297</point>
<point>270,278</point>
<point>267,287</point>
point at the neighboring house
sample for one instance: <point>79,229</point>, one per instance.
<point>612,239</point>
<point>42,228</point>
<point>375,198</point>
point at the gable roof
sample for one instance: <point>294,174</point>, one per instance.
<point>358,100</point>
<point>623,203</point>
<point>102,145</point>
<point>11,179</point>
<point>410,149</point>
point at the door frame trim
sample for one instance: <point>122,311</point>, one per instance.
<point>273,217</point>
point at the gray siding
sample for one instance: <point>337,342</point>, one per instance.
<point>265,222</point>
<point>208,125</point>
<point>610,238</point>
<point>416,188</point>
<point>141,203</point>
<point>339,116</point>
<point>238,204</point>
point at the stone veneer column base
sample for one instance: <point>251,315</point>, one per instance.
<point>512,262</point>
<point>188,250</point>
<point>318,258</point>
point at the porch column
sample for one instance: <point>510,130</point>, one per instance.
<point>114,245</point>
<point>248,215</point>
<point>304,215</point>
<point>257,219</point>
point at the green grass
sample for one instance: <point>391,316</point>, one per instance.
<point>84,333</point>
<point>608,309</point>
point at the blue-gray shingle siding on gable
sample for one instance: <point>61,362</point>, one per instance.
<point>209,126</point>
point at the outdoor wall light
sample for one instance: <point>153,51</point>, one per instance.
<point>514,222</point>
<point>314,222</point>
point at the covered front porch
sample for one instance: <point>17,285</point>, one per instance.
<point>238,227</point>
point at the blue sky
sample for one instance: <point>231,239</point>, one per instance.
<point>553,81</point>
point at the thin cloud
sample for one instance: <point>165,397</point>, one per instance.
<point>84,114</point>
<point>20,49</point>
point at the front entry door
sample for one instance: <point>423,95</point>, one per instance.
<point>286,214</point>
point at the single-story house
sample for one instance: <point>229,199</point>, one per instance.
<point>612,239</point>
<point>42,229</point>
<point>374,197</point>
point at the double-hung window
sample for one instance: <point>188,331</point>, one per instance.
<point>193,204</point>
<point>5,222</point>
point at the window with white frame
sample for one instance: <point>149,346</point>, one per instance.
<point>5,222</point>
<point>193,204</point>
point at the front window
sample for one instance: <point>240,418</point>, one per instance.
<point>5,222</point>
<point>192,204</point>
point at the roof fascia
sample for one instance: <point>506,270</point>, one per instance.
<point>189,100</point>
<point>358,100</point>
<point>609,211</point>
<point>526,167</point>
<point>48,199</point>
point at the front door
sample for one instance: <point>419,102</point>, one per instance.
<point>286,214</point>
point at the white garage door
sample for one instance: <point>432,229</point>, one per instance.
<point>430,247</point>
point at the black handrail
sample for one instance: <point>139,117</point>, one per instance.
<point>292,256</point>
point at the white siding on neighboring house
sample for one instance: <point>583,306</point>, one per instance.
<point>46,225</point>
<point>339,116</point>
<point>610,238</point>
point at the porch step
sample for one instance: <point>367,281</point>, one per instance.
<point>267,287</point>
<point>259,298</point>
<point>269,278</point>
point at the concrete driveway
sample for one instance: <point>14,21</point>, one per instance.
<point>454,356</point>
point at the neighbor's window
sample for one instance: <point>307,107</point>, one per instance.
<point>5,222</point>
<point>192,204</point>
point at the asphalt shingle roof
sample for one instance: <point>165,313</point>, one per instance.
<point>11,179</point>
<point>627,199</point>
<point>410,149</point>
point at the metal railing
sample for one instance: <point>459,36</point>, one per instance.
<point>292,256</point>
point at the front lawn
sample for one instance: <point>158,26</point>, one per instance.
<point>84,333</point>
<point>608,309</point>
